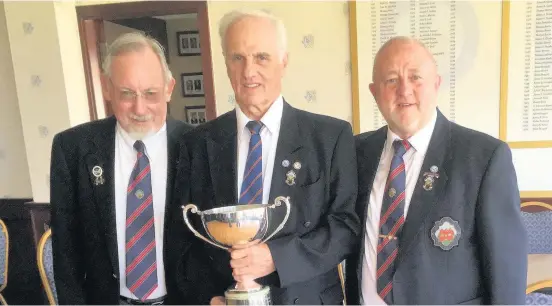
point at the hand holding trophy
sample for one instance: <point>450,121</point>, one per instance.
<point>229,226</point>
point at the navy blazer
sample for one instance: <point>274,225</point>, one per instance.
<point>476,187</point>
<point>322,226</point>
<point>84,233</point>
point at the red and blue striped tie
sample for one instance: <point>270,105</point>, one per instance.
<point>141,262</point>
<point>252,185</point>
<point>391,222</point>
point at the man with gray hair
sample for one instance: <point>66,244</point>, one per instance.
<point>111,183</point>
<point>264,149</point>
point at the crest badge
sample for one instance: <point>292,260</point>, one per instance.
<point>446,233</point>
<point>290,178</point>
<point>139,194</point>
<point>392,192</point>
<point>430,177</point>
<point>97,172</point>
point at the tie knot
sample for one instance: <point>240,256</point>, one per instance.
<point>139,146</point>
<point>254,127</point>
<point>401,147</point>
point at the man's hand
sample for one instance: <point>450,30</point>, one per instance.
<point>251,261</point>
<point>218,300</point>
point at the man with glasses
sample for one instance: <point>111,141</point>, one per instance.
<point>110,182</point>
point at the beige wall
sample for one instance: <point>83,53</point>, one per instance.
<point>14,177</point>
<point>320,69</point>
<point>182,64</point>
<point>49,80</point>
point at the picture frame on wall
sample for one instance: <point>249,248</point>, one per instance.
<point>195,115</point>
<point>192,84</point>
<point>188,43</point>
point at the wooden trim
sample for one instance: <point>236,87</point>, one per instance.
<point>536,194</point>
<point>353,42</point>
<point>530,144</point>
<point>206,61</point>
<point>504,61</point>
<point>126,10</point>
<point>91,32</point>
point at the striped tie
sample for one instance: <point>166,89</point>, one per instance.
<point>391,221</point>
<point>252,185</point>
<point>141,263</point>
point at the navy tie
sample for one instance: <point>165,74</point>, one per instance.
<point>391,221</point>
<point>252,185</point>
<point>141,263</point>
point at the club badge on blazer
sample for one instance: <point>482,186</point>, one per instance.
<point>97,172</point>
<point>446,233</point>
<point>430,177</point>
<point>291,175</point>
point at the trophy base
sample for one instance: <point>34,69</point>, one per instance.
<point>259,296</point>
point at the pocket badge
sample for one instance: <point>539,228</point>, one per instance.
<point>446,233</point>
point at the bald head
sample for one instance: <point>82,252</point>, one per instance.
<point>398,43</point>
<point>405,85</point>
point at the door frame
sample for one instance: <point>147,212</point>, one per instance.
<point>90,19</point>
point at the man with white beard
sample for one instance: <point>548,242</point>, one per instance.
<point>110,182</point>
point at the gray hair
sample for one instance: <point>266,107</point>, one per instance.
<point>134,42</point>
<point>236,15</point>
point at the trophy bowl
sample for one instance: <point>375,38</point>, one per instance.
<point>238,224</point>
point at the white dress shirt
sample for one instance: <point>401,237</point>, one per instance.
<point>125,158</point>
<point>413,160</point>
<point>269,137</point>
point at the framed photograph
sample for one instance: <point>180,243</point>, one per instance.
<point>195,115</point>
<point>192,84</point>
<point>188,43</point>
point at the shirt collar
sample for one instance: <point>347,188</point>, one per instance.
<point>150,141</point>
<point>271,119</point>
<point>419,141</point>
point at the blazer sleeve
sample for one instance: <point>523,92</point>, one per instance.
<point>323,248</point>
<point>67,253</point>
<point>503,240</point>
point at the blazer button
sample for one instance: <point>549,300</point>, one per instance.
<point>296,301</point>
<point>307,223</point>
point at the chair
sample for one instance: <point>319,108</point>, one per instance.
<point>537,217</point>
<point>46,266</point>
<point>341,271</point>
<point>4,252</point>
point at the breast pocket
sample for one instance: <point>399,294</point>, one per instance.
<point>310,201</point>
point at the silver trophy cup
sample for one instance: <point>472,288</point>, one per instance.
<point>238,224</point>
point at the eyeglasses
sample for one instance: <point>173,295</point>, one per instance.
<point>150,95</point>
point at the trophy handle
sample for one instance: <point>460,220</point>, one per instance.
<point>277,202</point>
<point>196,233</point>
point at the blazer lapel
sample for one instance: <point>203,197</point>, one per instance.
<point>222,154</point>
<point>423,200</point>
<point>368,155</point>
<point>102,156</point>
<point>289,143</point>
